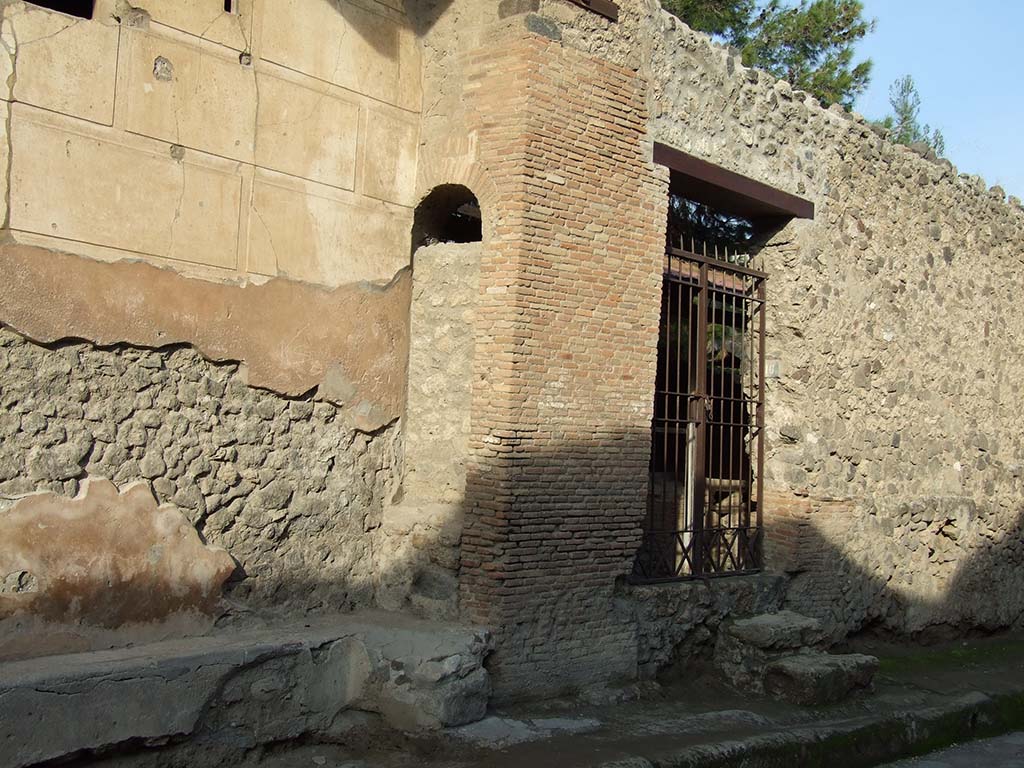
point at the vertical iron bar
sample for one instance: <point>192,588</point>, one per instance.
<point>751,309</point>
<point>663,375</point>
<point>719,420</point>
<point>708,517</point>
<point>731,411</point>
<point>700,401</point>
<point>678,512</point>
<point>762,297</point>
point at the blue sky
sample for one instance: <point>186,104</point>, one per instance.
<point>965,59</point>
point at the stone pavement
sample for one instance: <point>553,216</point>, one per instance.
<point>924,699</point>
<point>1002,752</point>
<point>232,692</point>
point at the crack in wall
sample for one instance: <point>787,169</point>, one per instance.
<point>12,80</point>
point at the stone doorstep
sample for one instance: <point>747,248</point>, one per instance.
<point>818,678</point>
<point>245,687</point>
<point>777,631</point>
<point>777,654</point>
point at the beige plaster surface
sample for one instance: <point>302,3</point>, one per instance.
<point>69,181</point>
<point>209,102</point>
<point>345,45</point>
<point>391,147</point>
<point>206,19</point>
<point>105,559</point>
<point>7,56</point>
<point>306,128</point>
<point>290,335</point>
<point>5,156</point>
<point>165,131</point>
<point>64,64</point>
<point>319,234</point>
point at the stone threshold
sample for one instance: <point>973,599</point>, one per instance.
<point>241,688</point>
<point>924,698</point>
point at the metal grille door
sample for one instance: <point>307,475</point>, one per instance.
<point>707,453</point>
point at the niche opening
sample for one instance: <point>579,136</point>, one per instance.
<point>449,214</point>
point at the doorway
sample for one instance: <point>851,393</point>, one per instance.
<point>707,434</point>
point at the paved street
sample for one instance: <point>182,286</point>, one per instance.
<point>1003,752</point>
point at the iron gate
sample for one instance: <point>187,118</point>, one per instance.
<point>707,457</point>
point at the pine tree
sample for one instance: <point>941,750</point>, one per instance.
<point>811,44</point>
<point>724,18</point>
<point>903,123</point>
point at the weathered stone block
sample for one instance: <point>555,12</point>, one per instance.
<point>745,647</point>
<point>295,115</point>
<point>196,96</point>
<point>64,64</point>
<point>236,691</point>
<point>777,631</point>
<point>818,678</point>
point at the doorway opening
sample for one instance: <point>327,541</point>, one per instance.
<point>707,442</point>
<point>706,489</point>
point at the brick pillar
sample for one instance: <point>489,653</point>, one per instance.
<point>565,365</point>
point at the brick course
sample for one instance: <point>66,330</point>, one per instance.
<point>571,297</point>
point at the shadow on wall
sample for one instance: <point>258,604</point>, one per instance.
<point>536,546</point>
<point>550,534</point>
<point>422,15</point>
<point>929,569</point>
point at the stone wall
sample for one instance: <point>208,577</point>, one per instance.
<point>446,285</point>
<point>205,295</point>
<point>894,453</point>
<point>424,527</point>
<point>676,624</point>
<point>292,492</point>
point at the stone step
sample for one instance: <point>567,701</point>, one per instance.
<point>777,631</point>
<point>818,678</point>
<point>243,687</point>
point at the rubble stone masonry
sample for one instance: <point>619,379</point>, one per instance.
<point>894,455</point>
<point>292,492</point>
<point>895,352</point>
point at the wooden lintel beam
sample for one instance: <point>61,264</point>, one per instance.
<point>606,8</point>
<point>750,193</point>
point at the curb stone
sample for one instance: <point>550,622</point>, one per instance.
<point>857,743</point>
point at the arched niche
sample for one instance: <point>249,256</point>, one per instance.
<point>450,213</point>
<point>447,236</point>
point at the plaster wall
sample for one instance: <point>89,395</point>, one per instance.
<point>206,238</point>
<point>276,141</point>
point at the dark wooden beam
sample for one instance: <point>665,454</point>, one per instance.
<point>731,192</point>
<point>606,8</point>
